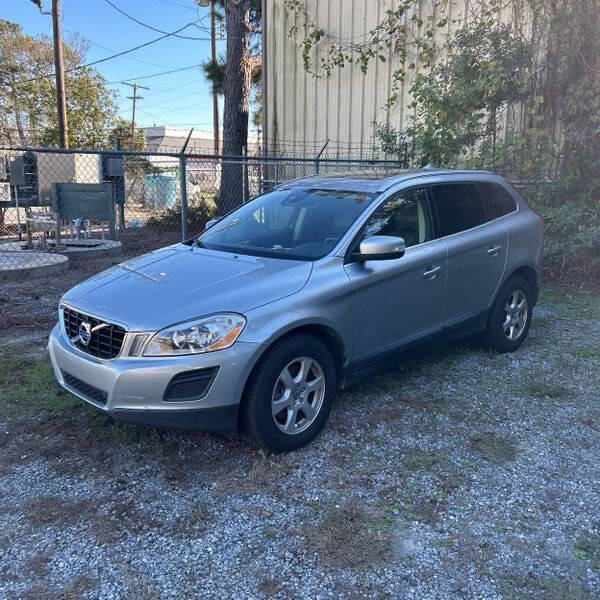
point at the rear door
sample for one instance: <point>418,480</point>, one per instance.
<point>477,249</point>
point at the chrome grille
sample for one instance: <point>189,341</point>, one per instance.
<point>105,342</point>
<point>85,389</point>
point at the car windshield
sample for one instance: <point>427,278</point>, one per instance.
<point>299,223</point>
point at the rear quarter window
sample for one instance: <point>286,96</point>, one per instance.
<point>497,200</point>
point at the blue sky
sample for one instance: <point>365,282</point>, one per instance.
<point>177,99</point>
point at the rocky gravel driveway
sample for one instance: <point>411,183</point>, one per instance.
<point>460,474</point>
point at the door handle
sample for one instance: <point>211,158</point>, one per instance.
<point>431,273</point>
<point>494,250</point>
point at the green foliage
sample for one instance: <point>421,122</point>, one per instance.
<point>214,71</point>
<point>202,207</point>
<point>90,111</point>
<point>120,134</point>
<point>28,96</point>
<point>457,101</point>
<point>28,384</point>
<point>393,142</point>
<point>402,27</point>
<point>572,234</point>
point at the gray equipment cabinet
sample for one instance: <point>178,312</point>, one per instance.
<point>92,201</point>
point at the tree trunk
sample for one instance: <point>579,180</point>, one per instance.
<point>236,90</point>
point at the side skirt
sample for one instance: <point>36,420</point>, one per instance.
<point>363,368</point>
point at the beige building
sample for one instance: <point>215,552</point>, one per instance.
<point>172,139</point>
<point>300,112</point>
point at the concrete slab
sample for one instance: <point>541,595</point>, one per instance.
<point>15,266</point>
<point>88,248</point>
<point>85,248</point>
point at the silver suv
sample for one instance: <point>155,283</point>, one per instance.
<point>257,322</point>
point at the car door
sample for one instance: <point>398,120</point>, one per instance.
<point>477,249</point>
<point>395,302</point>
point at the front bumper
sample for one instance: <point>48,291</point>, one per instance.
<point>132,389</point>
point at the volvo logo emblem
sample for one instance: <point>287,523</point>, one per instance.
<point>85,333</point>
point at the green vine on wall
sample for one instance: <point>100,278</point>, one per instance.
<point>403,33</point>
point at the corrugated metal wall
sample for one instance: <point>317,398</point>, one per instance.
<point>301,112</point>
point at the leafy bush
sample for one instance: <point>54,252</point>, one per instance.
<point>201,208</point>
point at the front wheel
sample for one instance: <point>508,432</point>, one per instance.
<point>510,317</point>
<point>290,394</point>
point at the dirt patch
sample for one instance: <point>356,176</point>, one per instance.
<point>494,447</point>
<point>348,536</point>
<point>57,511</point>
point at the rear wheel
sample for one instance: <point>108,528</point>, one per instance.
<point>290,394</point>
<point>510,317</point>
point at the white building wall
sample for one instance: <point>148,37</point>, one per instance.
<point>301,112</point>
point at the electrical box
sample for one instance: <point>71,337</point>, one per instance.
<point>58,167</point>
<point>114,167</point>
<point>17,170</point>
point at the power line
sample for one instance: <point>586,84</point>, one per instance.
<point>154,104</point>
<point>184,37</point>
<point>143,111</point>
<point>177,4</point>
<point>162,104</point>
<point>101,60</point>
<point>139,60</point>
<point>155,74</point>
<point>163,110</point>
<point>174,87</point>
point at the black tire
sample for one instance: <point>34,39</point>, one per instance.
<point>495,335</point>
<point>257,420</point>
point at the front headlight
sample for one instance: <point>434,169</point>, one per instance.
<point>200,335</point>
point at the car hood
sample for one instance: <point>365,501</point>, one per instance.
<point>181,282</point>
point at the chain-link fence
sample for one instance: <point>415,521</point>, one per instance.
<point>89,203</point>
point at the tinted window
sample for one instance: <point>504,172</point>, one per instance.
<point>298,223</point>
<point>404,215</point>
<point>458,206</point>
<point>499,202</point>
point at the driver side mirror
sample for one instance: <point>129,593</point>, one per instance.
<point>380,247</point>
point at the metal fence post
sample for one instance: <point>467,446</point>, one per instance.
<point>318,158</point>
<point>183,187</point>
<point>244,173</point>
<point>184,198</point>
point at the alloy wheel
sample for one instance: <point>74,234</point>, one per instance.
<point>516,312</point>
<point>298,395</point>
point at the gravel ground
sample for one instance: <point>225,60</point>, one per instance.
<point>461,474</point>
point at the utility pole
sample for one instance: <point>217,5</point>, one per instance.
<point>60,75</point>
<point>59,70</point>
<point>135,97</point>
<point>213,48</point>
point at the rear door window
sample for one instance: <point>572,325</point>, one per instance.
<point>498,201</point>
<point>458,206</point>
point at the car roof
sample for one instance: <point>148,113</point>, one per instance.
<point>371,181</point>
